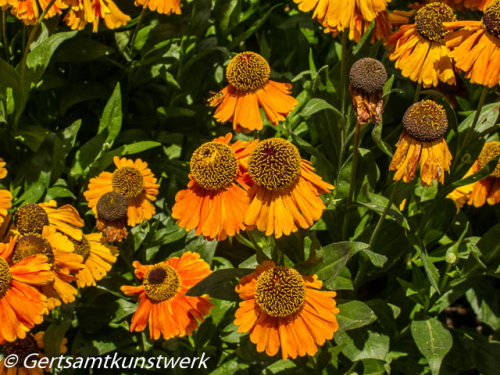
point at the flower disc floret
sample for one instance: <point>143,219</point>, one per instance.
<point>274,164</point>
<point>5,276</point>
<point>31,218</point>
<point>491,19</point>
<point>214,166</point>
<point>128,181</point>
<point>161,283</point>
<point>82,247</point>
<point>368,75</point>
<point>490,151</point>
<point>425,121</point>
<point>248,71</point>
<point>429,21</point>
<point>32,244</point>
<point>22,348</point>
<point>112,206</point>
<point>280,292</point>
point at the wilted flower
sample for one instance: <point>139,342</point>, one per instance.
<point>422,142</point>
<point>368,77</point>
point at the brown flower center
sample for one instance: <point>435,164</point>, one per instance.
<point>248,71</point>
<point>490,151</point>
<point>82,247</point>
<point>22,348</point>
<point>161,283</point>
<point>30,219</point>
<point>213,166</point>
<point>128,181</point>
<point>280,291</point>
<point>32,244</point>
<point>429,21</point>
<point>5,276</point>
<point>368,75</point>
<point>274,164</point>
<point>491,19</point>
<point>112,206</point>
<point>425,121</point>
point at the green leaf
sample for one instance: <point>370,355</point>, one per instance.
<point>111,118</point>
<point>53,338</point>
<point>486,122</point>
<point>354,314</point>
<point>334,257</point>
<point>378,203</point>
<point>87,154</point>
<point>82,49</point>
<point>131,149</point>
<point>485,302</point>
<point>220,284</point>
<point>315,105</point>
<point>363,344</point>
<point>433,340</point>
<point>483,352</point>
<point>430,270</point>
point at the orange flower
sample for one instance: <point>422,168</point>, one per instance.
<point>475,46</point>
<point>61,258</point>
<point>29,11</point>
<point>483,191</point>
<point>162,302</point>
<point>421,141</point>
<point>82,12</point>
<point>339,15</point>
<point>97,256</point>
<point>22,348</point>
<point>286,191</point>
<point>215,201</point>
<point>32,217</point>
<point>381,30</point>
<point>21,305</point>
<point>250,86</point>
<point>132,180</point>
<point>283,309</point>
<point>5,204</point>
<point>3,170</point>
<point>368,77</point>
<point>420,51</point>
<point>161,6</point>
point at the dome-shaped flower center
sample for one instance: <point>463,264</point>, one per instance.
<point>32,244</point>
<point>490,151</point>
<point>22,348</point>
<point>30,219</point>
<point>491,19</point>
<point>368,75</point>
<point>5,276</point>
<point>82,247</point>
<point>274,164</point>
<point>248,71</point>
<point>128,181</point>
<point>161,283</point>
<point>112,206</point>
<point>429,21</point>
<point>425,121</point>
<point>280,292</point>
<point>213,166</point>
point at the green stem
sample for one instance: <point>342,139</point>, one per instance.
<point>343,65</point>
<point>5,40</point>
<point>417,93</point>
<point>28,44</point>
<point>136,30</point>
<point>352,179</point>
<point>384,214</point>
<point>470,132</point>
